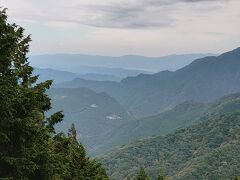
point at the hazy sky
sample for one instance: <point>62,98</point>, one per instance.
<point>119,27</point>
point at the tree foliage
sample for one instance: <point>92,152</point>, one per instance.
<point>29,146</point>
<point>142,175</point>
<point>209,150</point>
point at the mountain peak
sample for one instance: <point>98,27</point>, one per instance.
<point>233,52</point>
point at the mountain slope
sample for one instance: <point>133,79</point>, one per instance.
<point>209,150</point>
<point>204,80</point>
<point>55,75</point>
<point>114,89</point>
<point>103,123</point>
<point>183,115</point>
<point>61,76</point>
<point>76,69</point>
<point>95,115</point>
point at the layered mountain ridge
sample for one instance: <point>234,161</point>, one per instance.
<point>204,80</point>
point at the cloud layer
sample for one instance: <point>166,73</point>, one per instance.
<point>109,13</point>
<point>118,27</point>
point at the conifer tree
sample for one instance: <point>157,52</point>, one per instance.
<point>29,146</point>
<point>23,131</point>
<point>142,175</point>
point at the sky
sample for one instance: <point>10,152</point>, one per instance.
<point>121,27</point>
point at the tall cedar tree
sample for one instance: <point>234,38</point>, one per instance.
<point>29,147</point>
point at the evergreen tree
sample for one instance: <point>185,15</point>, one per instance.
<point>142,175</point>
<point>72,132</point>
<point>29,147</point>
<point>23,131</point>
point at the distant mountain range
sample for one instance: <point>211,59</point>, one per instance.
<point>83,64</point>
<point>96,73</point>
<point>204,80</point>
<point>209,150</point>
<point>59,76</point>
<point>144,105</point>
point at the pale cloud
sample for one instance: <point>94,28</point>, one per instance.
<point>116,27</point>
<point>107,13</point>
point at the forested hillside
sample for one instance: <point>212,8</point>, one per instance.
<point>96,115</point>
<point>183,115</point>
<point>103,123</point>
<point>209,150</point>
